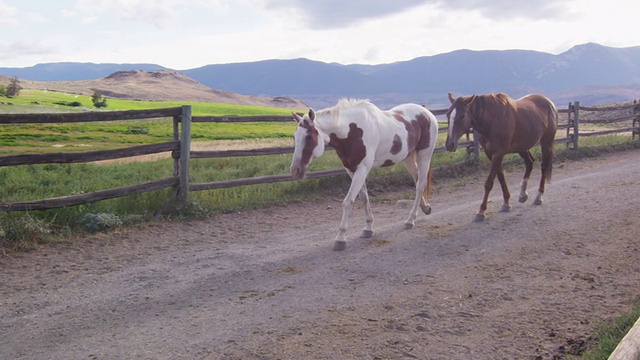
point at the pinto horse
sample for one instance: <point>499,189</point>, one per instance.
<point>365,137</point>
<point>506,126</point>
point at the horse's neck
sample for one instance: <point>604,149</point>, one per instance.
<point>323,132</point>
<point>326,124</point>
<point>479,123</point>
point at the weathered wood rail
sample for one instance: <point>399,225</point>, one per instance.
<point>179,117</point>
<point>180,148</point>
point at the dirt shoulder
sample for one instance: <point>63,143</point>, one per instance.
<point>529,284</point>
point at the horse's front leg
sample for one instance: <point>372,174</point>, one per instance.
<point>357,182</point>
<point>496,164</point>
<point>506,207</point>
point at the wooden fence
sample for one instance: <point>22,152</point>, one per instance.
<point>180,148</point>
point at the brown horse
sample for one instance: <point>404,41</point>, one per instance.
<point>506,126</point>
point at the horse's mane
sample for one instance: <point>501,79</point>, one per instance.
<point>491,102</point>
<point>345,103</point>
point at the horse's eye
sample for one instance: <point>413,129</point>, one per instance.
<point>308,137</point>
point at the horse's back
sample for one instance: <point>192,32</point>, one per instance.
<point>538,108</point>
<point>541,103</point>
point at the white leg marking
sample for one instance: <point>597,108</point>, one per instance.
<point>523,191</point>
<point>538,200</point>
<point>357,182</point>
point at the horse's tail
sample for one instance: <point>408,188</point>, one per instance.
<point>427,190</point>
<point>547,162</point>
<point>548,148</point>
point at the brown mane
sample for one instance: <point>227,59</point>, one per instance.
<point>491,105</point>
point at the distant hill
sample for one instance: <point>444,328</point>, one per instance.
<point>157,85</point>
<point>72,71</point>
<point>590,73</point>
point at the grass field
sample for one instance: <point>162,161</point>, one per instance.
<point>29,138</point>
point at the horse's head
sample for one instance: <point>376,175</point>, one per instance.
<point>308,144</point>
<point>459,118</point>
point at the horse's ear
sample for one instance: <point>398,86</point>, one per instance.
<point>312,114</point>
<point>451,98</point>
<point>296,117</point>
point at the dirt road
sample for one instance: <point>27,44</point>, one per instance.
<point>529,284</point>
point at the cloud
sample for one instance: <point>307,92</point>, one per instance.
<point>508,9</point>
<point>319,14</point>
<point>20,48</point>
<point>7,14</point>
<point>162,14</point>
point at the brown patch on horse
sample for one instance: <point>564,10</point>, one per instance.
<point>418,129</point>
<point>396,146</point>
<point>423,123</point>
<point>351,150</point>
<point>310,144</point>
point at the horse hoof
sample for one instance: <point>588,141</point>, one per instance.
<point>339,245</point>
<point>408,225</point>
<point>366,234</point>
<point>505,208</point>
<point>479,218</point>
<point>523,198</point>
<point>537,202</point>
<point>426,208</point>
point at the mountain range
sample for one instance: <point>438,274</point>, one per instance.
<point>591,73</point>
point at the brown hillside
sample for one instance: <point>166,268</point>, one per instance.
<point>158,85</point>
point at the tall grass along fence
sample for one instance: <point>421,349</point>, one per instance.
<point>601,121</point>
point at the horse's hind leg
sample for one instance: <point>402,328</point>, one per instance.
<point>367,232</point>
<point>423,178</point>
<point>546,167</point>
<point>528,162</point>
<point>412,168</point>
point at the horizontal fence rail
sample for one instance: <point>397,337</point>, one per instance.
<point>71,200</point>
<point>180,148</point>
<point>87,156</point>
<point>180,115</point>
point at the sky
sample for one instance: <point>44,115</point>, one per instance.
<point>186,34</point>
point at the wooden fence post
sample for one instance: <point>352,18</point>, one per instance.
<point>569,123</point>
<point>636,120</point>
<point>176,137</point>
<point>576,124</point>
<point>185,149</point>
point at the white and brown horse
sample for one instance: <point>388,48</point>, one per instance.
<point>365,137</point>
<point>506,126</point>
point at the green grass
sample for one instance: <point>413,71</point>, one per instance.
<point>609,334</point>
<point>30,138</point>
<point>30,101</point>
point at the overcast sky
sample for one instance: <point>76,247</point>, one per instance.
<point>185,34</point>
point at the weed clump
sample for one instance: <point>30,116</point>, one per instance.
<point>94,223</point>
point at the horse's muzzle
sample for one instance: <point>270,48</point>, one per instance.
<point>451,145</point>
<point>298,172</point>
